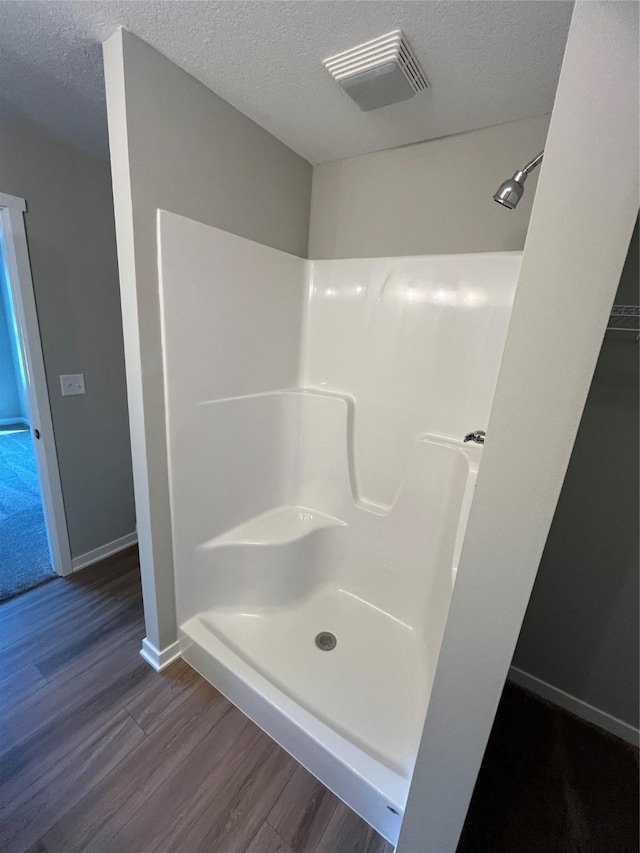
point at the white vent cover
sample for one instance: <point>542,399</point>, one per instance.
<point>379,72</point>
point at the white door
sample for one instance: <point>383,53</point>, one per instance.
<point>16,256</point>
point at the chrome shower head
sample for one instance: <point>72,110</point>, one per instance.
<point>510,192</point>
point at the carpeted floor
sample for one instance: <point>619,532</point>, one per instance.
<point>24,552</point>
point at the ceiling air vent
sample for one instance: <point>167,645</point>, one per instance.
<point>379,72</point>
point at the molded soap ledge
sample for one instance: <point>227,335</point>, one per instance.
<point>275,527</point>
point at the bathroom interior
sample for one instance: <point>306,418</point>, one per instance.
<point>310,396</point>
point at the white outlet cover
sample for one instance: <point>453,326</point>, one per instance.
<point>72,384</point>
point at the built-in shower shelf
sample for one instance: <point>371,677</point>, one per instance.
<point>278,525</point>
<point>624,318</point>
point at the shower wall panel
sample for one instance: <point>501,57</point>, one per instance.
<point>232,316</point>
<point>416,342</point>
<point>236,312</point>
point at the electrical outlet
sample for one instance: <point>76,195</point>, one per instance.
<point>71,384</point>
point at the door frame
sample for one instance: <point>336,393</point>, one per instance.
<point>16,255</point>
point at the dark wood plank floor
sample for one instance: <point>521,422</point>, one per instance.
<point>100,753</point>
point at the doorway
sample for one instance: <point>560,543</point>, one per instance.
<point>34,544</point>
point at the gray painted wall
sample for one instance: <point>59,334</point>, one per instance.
<point>177,146</point>
<point>429,198</point>
<point>581,629</point>
<point>70,231</point>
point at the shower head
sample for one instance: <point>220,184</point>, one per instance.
<point>510,192</point>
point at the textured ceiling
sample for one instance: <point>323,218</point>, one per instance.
<point>487,62</point>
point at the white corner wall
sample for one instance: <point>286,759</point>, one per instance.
<point>581,224</point>
<point>175,145</point>
<point>430,198</point>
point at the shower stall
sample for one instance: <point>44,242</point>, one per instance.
<point>320,484</point>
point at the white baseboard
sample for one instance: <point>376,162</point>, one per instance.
<point>570,703</point>
<point>103,551</point>
<point>160,659</point>
<point>9,421</point>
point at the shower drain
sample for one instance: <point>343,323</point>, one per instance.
<point>326,641</point>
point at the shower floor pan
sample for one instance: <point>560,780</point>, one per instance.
<point>353,714</point>
<point>259,595</point>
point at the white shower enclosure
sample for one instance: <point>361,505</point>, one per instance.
<point>320,485</point>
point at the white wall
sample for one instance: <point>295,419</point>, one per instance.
<point>580,228</point>
<point>72,247</point>
<point>431,198</point>
<point>177,146</point>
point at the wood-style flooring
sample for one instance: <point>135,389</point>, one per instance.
<point>100,753</point>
